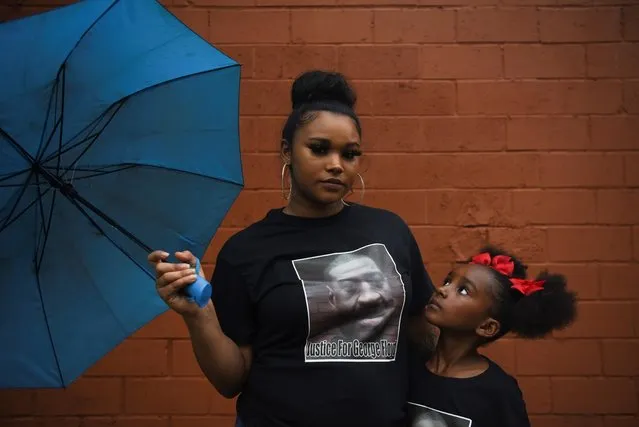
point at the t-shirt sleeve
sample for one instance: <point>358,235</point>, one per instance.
<point>513,407</point>
<point>421,283</point>
<point>232,303</point>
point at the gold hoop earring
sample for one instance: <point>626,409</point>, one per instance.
<point>284,194</point>
<point>361,197</point>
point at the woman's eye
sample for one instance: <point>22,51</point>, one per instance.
<point>319,149</point>
<point>350,155</point>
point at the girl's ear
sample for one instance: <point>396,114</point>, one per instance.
<point>488,328</point>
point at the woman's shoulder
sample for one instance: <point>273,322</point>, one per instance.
<point>385,216</point>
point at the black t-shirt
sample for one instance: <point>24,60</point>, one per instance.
<point>323,303</point>
<point>490,399</point>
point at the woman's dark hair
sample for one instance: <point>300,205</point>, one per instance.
<point>315,91</point>
<point>534,315</point>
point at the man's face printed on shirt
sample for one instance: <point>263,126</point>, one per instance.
<point>354,301</point>
<point>361,294</point>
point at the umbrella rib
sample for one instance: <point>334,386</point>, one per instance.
<point>92,134</point>
<point>54,94</point>
<point>12,175</point>
<point>46,224</point>
<point>15,205</point>
<point>22,212</point>
<point>17,147</point>
<point>115,225</point>
<point>46,321</point>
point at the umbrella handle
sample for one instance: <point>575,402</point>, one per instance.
<point>199,291</point>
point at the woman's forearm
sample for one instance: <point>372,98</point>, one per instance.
<point>221,360</point>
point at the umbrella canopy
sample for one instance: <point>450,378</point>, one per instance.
<point>118,133</point>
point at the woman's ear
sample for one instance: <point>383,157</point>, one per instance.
<point>285,152</point>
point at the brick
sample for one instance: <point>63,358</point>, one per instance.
<point>497,25</point>
<point>183,362</point>
<point>62,422</point>
<point>460,62</point>
<point>631,169</point>
<point>502,352</point>
<point>410,205</point>
<point>220,405</point>
<point>544,61</point>
<point>621,421</point>
<point>556,358</point>
<point>347,26</point>
<point>265,97</point>
<point>621,357</point>
<point>209,3</point>
<point>439,270</point>
<point>465,208</point>
<point>580,25</point>
<point>547,133</point>
<point>295,2</point>
<point>20,422</point>
<point>196,20</point>
<point>582,278</point>
<point>393,134</point>
<point>261,134</point>
<point>86,396</point>
<point>412,98</point>
<point>249,26</point>
<point>208,421</point>
<point>463,134</point>
<point>613,60</point>
<point>631,96</point>
<point>554,206</point>
<point>244,55</point>
<point>619,281</point>
<point>589,323</point>
<point>566,421</point>
<point>581,170</point>
<point>539,97</point>
<point>262,171</point>
<point>631,22</point>
<point>126,421</point>
<point>589,244</point>
<point>167,396</point>
<point>442,170</point>
<point>17,402</point>
<point>530,244</point>
<point>167,325</point>
<point>537,394</point>
<point>287,62</point>
<point>594,395</point>
<point>134,357</point>
<point>635,244</point>
<point>252,206</point>
<point>447,244</point>
<point>378,2</point>
<point>615,133</point>
<point>414,26</point>
<point>379,62</point>
<point>618,206</point>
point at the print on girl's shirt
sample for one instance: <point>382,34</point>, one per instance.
<point>354,302</point>
<point>424,416</point>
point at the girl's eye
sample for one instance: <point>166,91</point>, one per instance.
<point>463,290</point>
<point>446,282</point>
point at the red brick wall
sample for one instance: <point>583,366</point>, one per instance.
<point>510,120</point>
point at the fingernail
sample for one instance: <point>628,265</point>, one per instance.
<point>183,266</point>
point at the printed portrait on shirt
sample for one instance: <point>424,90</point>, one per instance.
<point>354,305</point>
<point>424,416</point>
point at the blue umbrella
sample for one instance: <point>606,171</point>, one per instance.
<point>118,133</point>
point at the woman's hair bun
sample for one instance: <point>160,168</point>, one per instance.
<point>322,86</point>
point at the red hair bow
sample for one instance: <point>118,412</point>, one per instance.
<point>527,287</point>
<point>505,265</point>
<point>501,263</point>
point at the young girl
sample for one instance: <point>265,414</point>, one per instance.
<point>479,303</point>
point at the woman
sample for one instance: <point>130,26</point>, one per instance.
<point>311,305</point>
